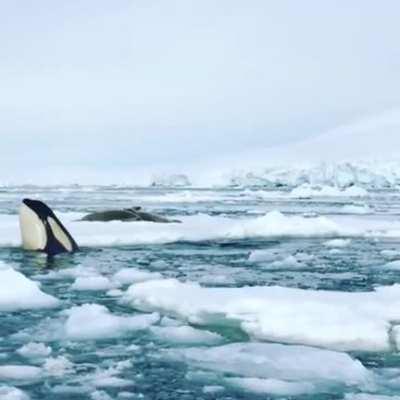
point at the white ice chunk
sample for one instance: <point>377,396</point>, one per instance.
<point>185,335</point>
<point>34,350</point>
<point>12,393</point>
<point>280,362</point>
<point>393,265</point>
<point>93,283</point>
<point>331,319</point>
<point>126,276</point>
<point>17,292</point>
<point>337,243</point>
<point>19,372</point>
<point>272,386</point>
<point>58,366</point>
<point>93,321</point>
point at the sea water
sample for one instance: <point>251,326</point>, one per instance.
<point>257,294</point>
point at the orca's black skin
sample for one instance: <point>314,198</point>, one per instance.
<point>127,215</point>
<point>53,246</point>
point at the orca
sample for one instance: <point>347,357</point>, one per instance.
<point>42,231</point>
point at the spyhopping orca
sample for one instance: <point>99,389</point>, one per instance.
<point>41,230</point>
<point>127,215</point>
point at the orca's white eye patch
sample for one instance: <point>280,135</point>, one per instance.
<point>33,231</point>
<point>59,234</point>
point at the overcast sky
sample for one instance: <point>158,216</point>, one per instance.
<point>128,83</point>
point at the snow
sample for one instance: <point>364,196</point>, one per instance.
<point>330,319</point>
<point>271,367</point>
<point>93,321</point>
<point>17,292</point>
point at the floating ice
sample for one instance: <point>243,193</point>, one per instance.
<point>185,335</point>
<point>273,366</point>
<point>337,320</point>
<point>395,265</point>
<point>126,276</point>
<point>17,292</point>
<point>12,393</point>
<point>34,350</point>
<point>337,243</point>
<point>263,256</point>
<point>93,283</point>
<point>19,372</point>
<point>272,386</point>
<point>58,366</point>
<point>93,321</point>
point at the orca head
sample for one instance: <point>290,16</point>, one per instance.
<point>41,230</point>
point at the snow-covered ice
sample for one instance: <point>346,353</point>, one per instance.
<point>337,320</point>
<point>17,292</point>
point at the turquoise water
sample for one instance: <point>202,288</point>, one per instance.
<point>139,360</point>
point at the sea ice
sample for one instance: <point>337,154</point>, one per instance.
<point>268,361</point>
<point>12,393</point>
<point>185,335</point>
<point>19,372</point>
<point>126,276</point>
<point>34,350</point>
<point>337,243</point>
<point>331,319</point>
<point>272,386</point>
<point>93,321</point>
<point>93,283</point>
<point>17,292</point>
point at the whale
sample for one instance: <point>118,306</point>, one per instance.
<point>42,231</point>
<point>127,215</point>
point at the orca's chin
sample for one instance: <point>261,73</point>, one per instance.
<point>33,232</point>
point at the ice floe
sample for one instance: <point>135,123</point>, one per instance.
<point>93,283</point>
<point>277,368</point>
<point>331,319</point>
<point>17,292</point>
<point>34,350</point>
<point>185,335</point>
<point>12,393</point>
<point>93,321</point>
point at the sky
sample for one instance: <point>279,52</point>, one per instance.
<point>106,86</point>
